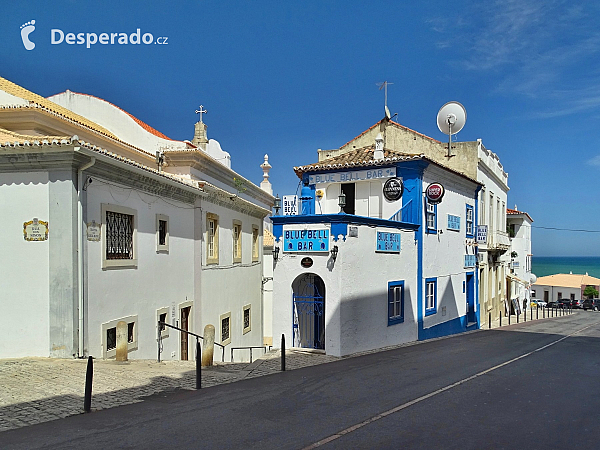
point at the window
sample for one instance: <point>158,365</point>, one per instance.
<point>533,293</point>
<point>430,296</point>
<point>109,336</point>
<point>212,238</point>
<point>237,241</point>
<point>469,221</point>
<point>247,321</point>
<point>162,315</point>
<point>395,302</point>
<point>482,208</point>
<point>572,296</point>
<point>119,234</point>
<point>491,219</point>
<point>255,252</point>
<point>162,233</point>
<point>226,328</point>
<point>559,296</point>
<point>431,218</point>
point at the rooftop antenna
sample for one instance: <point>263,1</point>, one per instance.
<point>450,120</point>
<point>384,86</point>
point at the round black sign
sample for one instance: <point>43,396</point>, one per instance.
<point>392,189</point>
<point>306,262</point>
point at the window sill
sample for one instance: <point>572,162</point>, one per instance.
<point>119,263</point>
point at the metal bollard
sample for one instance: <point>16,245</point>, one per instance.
<point>500,319</point>
<point>283,352</point>
<point>89,375</point>
<point>537,313</point>
<point>517,316</point>
<point>525,316</point>
<point>509,317</point>
<point>198,365</point>
<point>490,321</point>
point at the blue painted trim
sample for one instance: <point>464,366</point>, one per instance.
<point>472,233</point>
<point>307,197</point>
<point>277,231</point>
<point>454,326</point>
<point>339,229</point>
<point>475,225</point>
<point>430,311</point>
<point>348,219</point>
<point>427,229</point>
<point>392,320</point>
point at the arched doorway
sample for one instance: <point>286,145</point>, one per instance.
<point>309,311</point>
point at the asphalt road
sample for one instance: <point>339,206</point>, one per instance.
<point>531,385</point>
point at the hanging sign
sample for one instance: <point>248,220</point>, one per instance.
<point>290,205</point>
<point>392,189</point>
<point>434,193</point>
<point>482,234</point>
<point>93,231</point>
<point>306,240</point>
<point>388,242</point>
<point>35,230</point>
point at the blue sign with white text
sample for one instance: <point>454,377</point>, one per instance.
<point>453,222</point>
<point>470,260</point>
<point>308,240</point>
<point>388,242</point>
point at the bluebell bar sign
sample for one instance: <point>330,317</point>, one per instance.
<point>388,242</point>
<point>453,222</point>
<point>306,240</point>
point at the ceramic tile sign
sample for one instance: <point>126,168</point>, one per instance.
<point>453,222</point>
<point>388,242</point>
<point>290,205</point>
<point>313,239</point>
<point>93,231</point>
<point>35,230</point>
<point>482,231</point>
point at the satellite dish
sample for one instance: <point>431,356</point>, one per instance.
<point>450,120</point>
<point>387,113</point>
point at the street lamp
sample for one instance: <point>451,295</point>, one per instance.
<point>275,253</point>
<point>277,205</point>
<point>342,202</point>
<point>334,252</point>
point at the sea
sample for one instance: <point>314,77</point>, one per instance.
<point>550,265</point>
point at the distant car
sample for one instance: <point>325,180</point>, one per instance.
<point>576,304</point>
<point>593,304</point>
<point>538,304</point>
<point>553,304</point>
<point>564,303</point>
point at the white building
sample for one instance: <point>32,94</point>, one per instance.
<point>519,230</point>
<point>394,267</point>
<point>562,285</point>
<point>99,233</point>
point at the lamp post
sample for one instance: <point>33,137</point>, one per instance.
<point>275,253</point>
<point>334,252</point>
<point>342,202</point>
<point>277,205</point>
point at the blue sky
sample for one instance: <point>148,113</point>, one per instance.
<point>287,78</point>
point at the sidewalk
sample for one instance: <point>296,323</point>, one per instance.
<point>36,390</point>
<point>532,314</point>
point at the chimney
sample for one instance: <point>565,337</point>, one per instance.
<point>378,154</point>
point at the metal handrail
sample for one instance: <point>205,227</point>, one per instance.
<point>185,331</point>
<point>264,347</point>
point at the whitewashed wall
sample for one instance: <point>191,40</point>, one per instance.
<point>160,280</point>
<point>356,286</point>
<point>25,283</point>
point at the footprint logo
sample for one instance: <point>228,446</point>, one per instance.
<point>26,30</point>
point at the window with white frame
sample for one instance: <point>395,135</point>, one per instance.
<point>482,220</point>
<point>119,237</point>
<point>430,296</point>
<point>109,336</point>
<point>162,233</point>
<point>430,217</point>
<point>255,251</point>
<point>469,221</point>
<point>225,320</point>
<point>247,319</point>
<point>237,241</point>
<point>212,238</point>
<point>395,302</point>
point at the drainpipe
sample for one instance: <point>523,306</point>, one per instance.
<point>80,248</point>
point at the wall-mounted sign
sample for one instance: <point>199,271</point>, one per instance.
<point>306,240</point>
<point>388,242</point>
<point>434,192</point>
<point>35,230</point>
<point>290,205</point>
<point>355,175</point>
<point>306,262</point>
<point>392,189</point>
<point>470,260</point>
<point>482,234</point>
<point>453,222</point>
<point>93,231</point>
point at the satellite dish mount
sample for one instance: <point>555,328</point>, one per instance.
<point>450,120</point>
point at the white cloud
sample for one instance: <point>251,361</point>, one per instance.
<point>595,161</point>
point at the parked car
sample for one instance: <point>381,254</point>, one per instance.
<point>553,304</point>
<point>593,304</point>
<point>564,303</point>
<point>538,304</point>
<point>576,304</point>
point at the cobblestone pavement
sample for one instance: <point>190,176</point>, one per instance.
<point>35,390</point>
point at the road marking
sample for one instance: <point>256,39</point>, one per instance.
<point>382,415</point>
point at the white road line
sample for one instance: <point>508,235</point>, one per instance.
<point>344,432</point>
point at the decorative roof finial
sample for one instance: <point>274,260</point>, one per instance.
<point>265,184</point>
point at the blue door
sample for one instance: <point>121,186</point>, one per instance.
<point>471,317</point>
<point>309,312</point>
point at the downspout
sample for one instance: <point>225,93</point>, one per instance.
<point>80,349</point>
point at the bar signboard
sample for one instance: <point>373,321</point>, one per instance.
<point>314,239</point>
